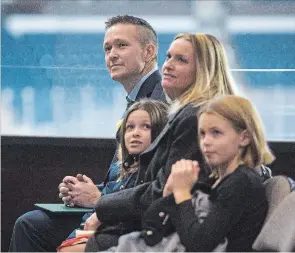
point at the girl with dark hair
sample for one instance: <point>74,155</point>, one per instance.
<point>142,123</point>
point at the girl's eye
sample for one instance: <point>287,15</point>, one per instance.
<point>147,126</point>
<point>202,133</point>
<point>216,132</point>
<point>128,127</point>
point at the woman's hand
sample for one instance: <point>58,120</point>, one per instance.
<point>184,174</point>
<point>92,223</point>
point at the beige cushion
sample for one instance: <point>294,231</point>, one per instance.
<point>278,233</point>
<point>276,188</point>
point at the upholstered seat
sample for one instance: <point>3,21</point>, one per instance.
<point>278,232</point>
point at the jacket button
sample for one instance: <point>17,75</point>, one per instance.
<point>161,214</point>
<point>149,232</point>
<point>141,181</point>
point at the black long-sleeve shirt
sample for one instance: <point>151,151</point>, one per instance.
<point>238,211</point>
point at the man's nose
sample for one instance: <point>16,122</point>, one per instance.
<point>113,54</point>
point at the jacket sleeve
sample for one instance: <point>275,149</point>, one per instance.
<point>184,145</point>
<point>130,203</point>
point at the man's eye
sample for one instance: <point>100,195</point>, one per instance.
<point>147,126</point>
<point>122,44</point>
<point>106,49</point>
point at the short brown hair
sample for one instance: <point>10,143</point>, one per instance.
<point>147,33</point>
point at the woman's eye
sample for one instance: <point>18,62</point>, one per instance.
<point>168,56</point>
<point>182,59</point>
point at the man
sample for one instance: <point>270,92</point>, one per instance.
<point>131,48</point>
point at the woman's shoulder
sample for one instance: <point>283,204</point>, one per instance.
<point>187,111</point>
<point>186,117</point>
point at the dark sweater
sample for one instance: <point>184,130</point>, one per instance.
<point>239,207</point>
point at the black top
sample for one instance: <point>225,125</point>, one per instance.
<point>239,207</point>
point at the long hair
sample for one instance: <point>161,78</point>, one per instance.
<point>243,116</point>
<point>212,75</point>
<point>158,112</point>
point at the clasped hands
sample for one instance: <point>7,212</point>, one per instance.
<point>184,174</point>
<point>79,191</point>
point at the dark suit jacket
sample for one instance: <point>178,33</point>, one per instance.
<point>178,140</point>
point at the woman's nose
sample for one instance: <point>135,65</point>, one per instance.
<point>168,64</point>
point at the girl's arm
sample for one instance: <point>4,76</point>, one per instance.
<point>225,213</point>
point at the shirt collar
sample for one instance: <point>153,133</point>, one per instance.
<point>133,94</point>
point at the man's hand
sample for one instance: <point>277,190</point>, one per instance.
<point>64,194</point>
<point>80,191</point>
<point>92,223</point>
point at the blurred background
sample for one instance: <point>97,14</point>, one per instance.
<point>54,80</point>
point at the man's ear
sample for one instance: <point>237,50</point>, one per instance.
<point>150,52</point>
<point>245,138</point>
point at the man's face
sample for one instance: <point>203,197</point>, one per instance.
<point>124,55</point>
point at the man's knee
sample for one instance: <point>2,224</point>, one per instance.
<point>31,220</point>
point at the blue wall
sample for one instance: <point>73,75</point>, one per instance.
<point>73,61</point>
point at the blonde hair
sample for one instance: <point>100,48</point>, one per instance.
<point>243,116</point>
<point>213,77</point>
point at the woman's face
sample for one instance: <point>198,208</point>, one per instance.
<point>179,69</point>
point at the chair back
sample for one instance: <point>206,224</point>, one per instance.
<point>278,231</point>
<point>276,188</point>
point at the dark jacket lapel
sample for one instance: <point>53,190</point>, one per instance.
<point>155,143</point>
<point>152,88</point>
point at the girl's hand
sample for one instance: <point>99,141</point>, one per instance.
<point>167,189</point>
<point>183,176</point>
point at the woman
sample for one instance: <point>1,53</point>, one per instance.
<point>195,71</point>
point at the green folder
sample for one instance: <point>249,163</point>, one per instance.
<point>63,209</point>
